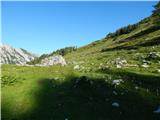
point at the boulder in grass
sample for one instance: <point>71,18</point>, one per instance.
<point>117,82</point>
<point>120,61</point>
<point>53,60</point>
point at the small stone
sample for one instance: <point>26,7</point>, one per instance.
<point>115,104</point>
<point>136,87</point>
<point>56,78</point>
<point>120,62</point>
<point>76,67</point>
<point>122,93</point>
<point>115,93</point>
<point>117,82</point>
<point>131,65</point>
<point>158,70</point>
<point>91,82</point>
<point>118,66</point>
<point>157,110</point>
<point>145,65</point>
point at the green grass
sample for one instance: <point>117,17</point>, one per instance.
<point>52,93</point>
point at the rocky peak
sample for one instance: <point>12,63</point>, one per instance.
<point>10,55</point>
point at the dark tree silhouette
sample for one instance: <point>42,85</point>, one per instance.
<point>156,14</point>
<point>157,9</point>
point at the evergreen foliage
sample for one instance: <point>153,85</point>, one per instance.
<point>123,30</point>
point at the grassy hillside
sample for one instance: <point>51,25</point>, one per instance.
<point>116,78</point>
<point>132,46</point>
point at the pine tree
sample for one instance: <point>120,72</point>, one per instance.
<point>157,9</point>
<point>156,14</point>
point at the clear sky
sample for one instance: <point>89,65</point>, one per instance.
<point>41,27</point>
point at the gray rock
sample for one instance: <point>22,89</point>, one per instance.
<point>136,87</point>
<point>117,82</point>
<point>53,60</point>
<point>118,66</point>
<point>115,104</point>
<point>145,66</point>
<point>158,70</point>
<point>120,61</point>
<point>157,110</point>
<point>131,65</point>
<point>76,67</point>
<point>115,93</point>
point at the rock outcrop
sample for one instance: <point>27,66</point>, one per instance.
<point>52,60</point>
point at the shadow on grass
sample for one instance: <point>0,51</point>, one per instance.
<point>151,82</point>
<point>80,98</point>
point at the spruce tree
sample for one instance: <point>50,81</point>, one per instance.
<point>157,9</point>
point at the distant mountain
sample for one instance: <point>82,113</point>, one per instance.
<point>10,55</point>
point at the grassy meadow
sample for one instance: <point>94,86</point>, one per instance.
<point>53,93</point>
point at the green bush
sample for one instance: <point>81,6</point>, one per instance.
<point>8,80</point>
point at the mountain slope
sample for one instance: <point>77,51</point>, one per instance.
<point>10,55</point>
<point>133,46</point>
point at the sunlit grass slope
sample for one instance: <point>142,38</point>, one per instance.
<point>133,47</point>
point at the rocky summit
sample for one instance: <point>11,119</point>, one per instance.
<point>10,55</point>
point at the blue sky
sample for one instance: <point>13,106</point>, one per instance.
<point>41,27</point>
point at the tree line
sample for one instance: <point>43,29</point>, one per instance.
<point>130,28</point>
